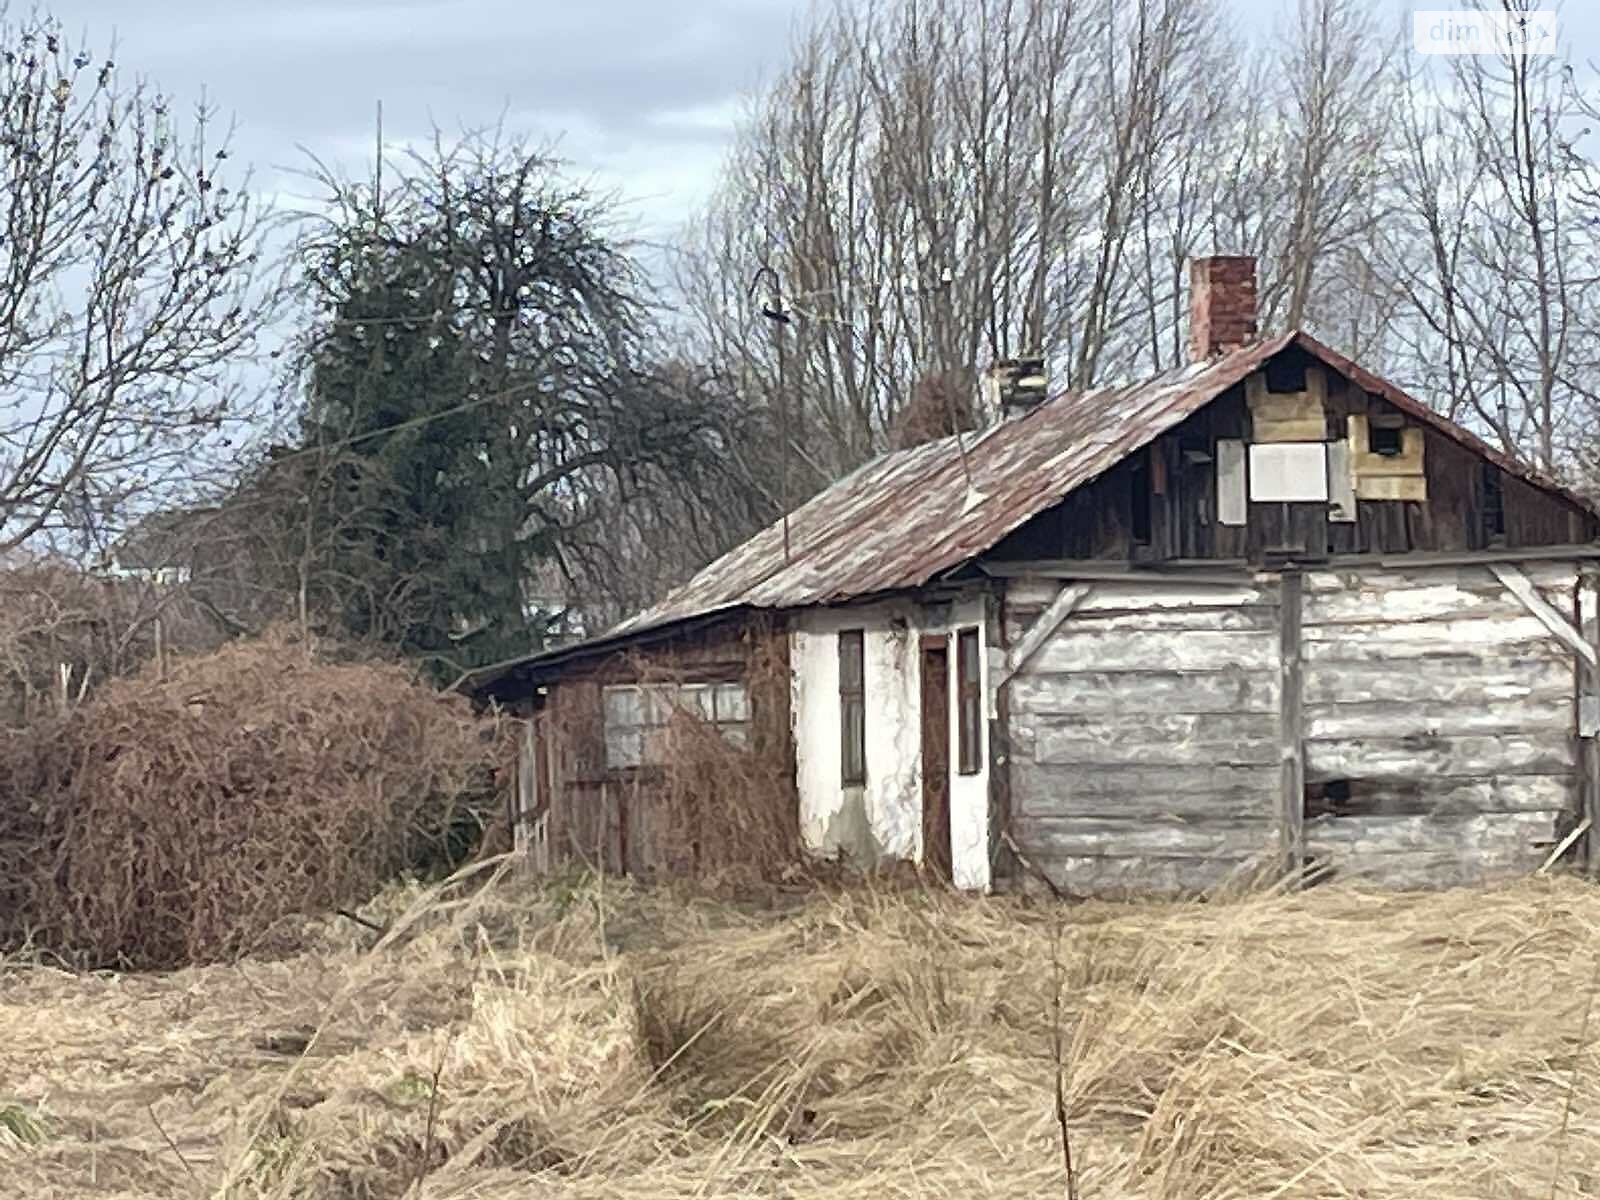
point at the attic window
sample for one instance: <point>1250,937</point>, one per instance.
<point>1384,440</point>
<point>1494,505</point>
<point>1139,483</point>
<point>1286,374</point>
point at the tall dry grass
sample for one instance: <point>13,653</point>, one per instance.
<point>589,1039</point>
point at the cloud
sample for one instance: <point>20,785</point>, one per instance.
<point>642,92</point>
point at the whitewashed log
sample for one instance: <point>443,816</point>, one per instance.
<point>1450,795</point>
<point>1465,679</point>
<point>1409,758</point>
<point>1466,833</point>
<point>1453,719</point>
<point>1086,836</point>
<point>1175,740</point>
<point>1089,692</point>
<point>1161,650</point>
<point>1468,632</point>
<point>1379,579</point>
<point>1143,792</point>
<point>1153,593</point>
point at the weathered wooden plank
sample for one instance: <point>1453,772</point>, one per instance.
<point>1400,719</point>
<point>1174,739</point>
<point>1233,504</point>
<point>1084,648</point>
<point>1143,792</point>
<point>1559,626</point>
<point>1291,730</point>
<point>1408,758</point>
<point>1529,678</point>
<point>1341,484</point>
<point>1087,692</point>
<point>1151,590</point>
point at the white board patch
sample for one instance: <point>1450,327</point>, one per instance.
<point>1291,472</point>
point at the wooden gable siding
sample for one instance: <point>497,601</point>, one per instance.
<point>606,818</point>
<point>1097,521</point>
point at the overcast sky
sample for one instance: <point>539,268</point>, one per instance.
<point>641,93</point>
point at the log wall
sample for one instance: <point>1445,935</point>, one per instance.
<point>1144,736</point>
<point>1436,717</point>
<point>1440,724</point>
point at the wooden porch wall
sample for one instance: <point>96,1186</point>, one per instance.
<point>607,819</point>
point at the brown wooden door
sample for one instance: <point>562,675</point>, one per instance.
<point>936,757</point>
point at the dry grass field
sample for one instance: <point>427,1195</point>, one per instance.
<point>591,1039</point>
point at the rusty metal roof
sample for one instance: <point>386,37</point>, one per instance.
<point>911,516</point>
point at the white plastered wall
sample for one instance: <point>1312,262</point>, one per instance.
<point>883,820</point>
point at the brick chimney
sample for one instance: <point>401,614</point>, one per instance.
<point>1222,304</point>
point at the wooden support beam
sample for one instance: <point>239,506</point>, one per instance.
<point>1291,731</point>
<point>1520,586</point>
<point>1067,599</point>
<point>1589,735</point>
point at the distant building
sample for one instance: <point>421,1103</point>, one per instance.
<point>1262,614</point>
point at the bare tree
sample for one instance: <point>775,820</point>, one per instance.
<point>130,284</point>
<point>1491,255</point>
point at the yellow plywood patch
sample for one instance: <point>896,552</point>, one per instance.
<point>1287,416</point>
<point>1391,487</point>
<point>1387,476</point>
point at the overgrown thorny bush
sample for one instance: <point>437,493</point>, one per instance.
<point>171,821</point>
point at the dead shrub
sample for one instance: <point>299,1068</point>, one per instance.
<point>173,821</point>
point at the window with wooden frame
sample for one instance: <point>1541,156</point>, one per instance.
<point>969,703</point>
<point>852,709</point>
<point>637,717</point>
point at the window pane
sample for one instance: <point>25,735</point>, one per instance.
<point>969,701</point>
<point>732,702</point>
<point>657,705</point>
<point>967,653</point>
<point>700,699</point>
<point>850,664</point>
<point>622,706</point>
<point>854,750</point>
<point>737,735</point>
<point>623,747</point>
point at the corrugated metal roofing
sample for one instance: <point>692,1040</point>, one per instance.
<point>908,517</point>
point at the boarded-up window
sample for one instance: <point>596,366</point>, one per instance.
<point>969,702</point>
<point>852,709</point>
<point>637,716</point>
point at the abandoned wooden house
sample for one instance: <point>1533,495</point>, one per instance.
<point>1264,613</point>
